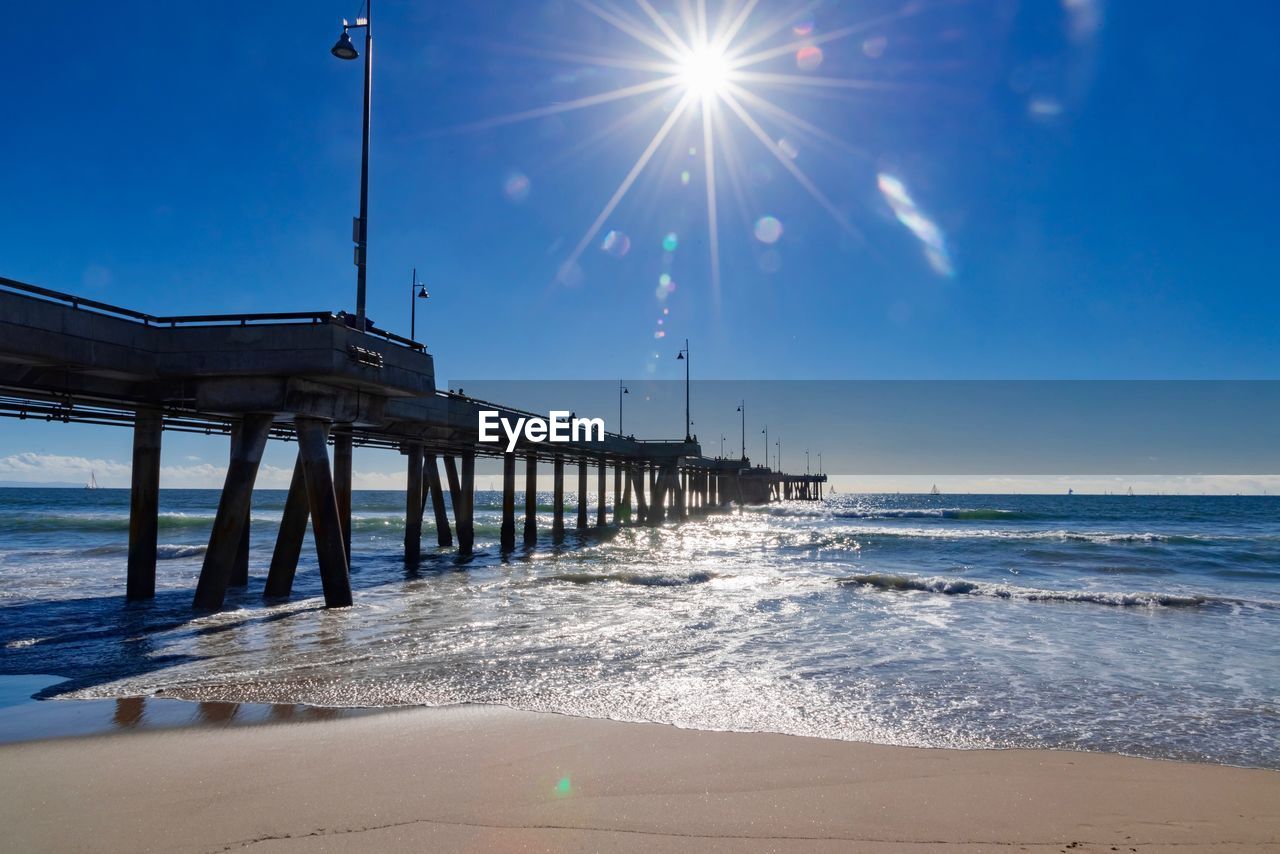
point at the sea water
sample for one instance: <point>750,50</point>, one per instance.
<point>1137,625</point>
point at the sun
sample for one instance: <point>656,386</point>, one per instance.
<point>705,72</point>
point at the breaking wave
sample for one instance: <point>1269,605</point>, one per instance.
<point>644,579</point>
<point>884,581</point>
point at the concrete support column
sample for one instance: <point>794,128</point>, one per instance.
<point>444,536</point>
<point>508,502</point>
<point>635,476</point>
<point>582,493</point>
<point>293,530</point>
<point>531,501</point>
<point>617,491</point>
<point>413,506</point>
<point>557,524</point>
<point>240,568</point>
<point>342,448</point>
<point>466,523</point>
<point>622,502</point>
<point>144,505</point>
<point>229,525</point>
<point>678,497</point>
<point>322,501</point>
<point>601,493</point>
<point>660,481</point>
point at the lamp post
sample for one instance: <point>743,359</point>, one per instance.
<point>779,444</point>
<point>721,446</point>
<point>417,291</point>
<point>806,461</point>
<point>742,407</point>
<point>344,49</point>
<point>684,356</point>
<point>819,462</point>
<point>622,389</point>
<point>765,431</point>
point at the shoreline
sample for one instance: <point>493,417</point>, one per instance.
<point>491,777</point>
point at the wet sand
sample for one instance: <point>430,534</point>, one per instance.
<point>492,779</point>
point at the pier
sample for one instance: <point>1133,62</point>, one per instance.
<point>314,379</point>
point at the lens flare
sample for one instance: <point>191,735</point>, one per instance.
<point>616,244</point>
<point>670,242</point>
<point>768,230</point>
<point>909,214</point>
<point>809,57</point>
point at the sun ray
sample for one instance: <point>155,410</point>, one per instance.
<point>803,80</point>
<point>631,28</point>
<point>708,146</point>
<point>661,23</point>
<point>631,118</point>
<point>566,106</point>
<point>767,31</point>
<point>792,120</point>
<point>789,165</point>
<point>640,163</point>
<point>588,58</point>
<point>725,38</point>
<point>702,21</point>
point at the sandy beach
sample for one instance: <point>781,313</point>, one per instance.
<point>492,779</point>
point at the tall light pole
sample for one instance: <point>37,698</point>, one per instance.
<point>765,431</point>
<point>721,446</point>
<point>622,389</point>
<point>417,291</point>
<point>344,49</point>
<point>779,444</point>
<point>806,461</point>
<point>684,356</point>
<point>819,462</point>
<point>742,407</point>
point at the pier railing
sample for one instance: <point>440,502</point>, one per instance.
<point>99,307</point>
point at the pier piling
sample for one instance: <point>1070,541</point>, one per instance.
<point>322,502</point>
<point>233,511</point>
<point>466,523</point>
<point>582,493</point>
<point>444,537</point>
<point>240,569</point>
<point>601,495</point>
<point>144,505</point>
<point>557,502</point>
<point>530,501</point>
<point>342,446</point>
<point>508,501</point>
<point>293,530</point>
<point>412,506</point>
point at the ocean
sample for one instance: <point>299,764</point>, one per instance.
<point>1138,625</point>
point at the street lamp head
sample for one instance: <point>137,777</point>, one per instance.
<point>422,293</point>
<point>344,49</point>
<point>626,390</point>
<point>680,357</point>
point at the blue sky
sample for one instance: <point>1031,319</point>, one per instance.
<point>1099,176</point>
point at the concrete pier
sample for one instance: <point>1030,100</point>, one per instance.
<point>466,523</point>
<point>412,505</point>
<point>240,569</point>
<point>530,501</point>
<point>322,502</point>
<point>508,534</point>
<point>293,530</point>
<point>601,485</point>
<point>557,501</point>
<point>144,505</point>
<point>233,512</point>
<point>65,358</point>
<point>342,461</point>
<point>444,537</point>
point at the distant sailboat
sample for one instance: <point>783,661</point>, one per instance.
<point>934,491</point>
<point>1130,492</point>
<point>1071,492</point>
<point>93,481</point>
